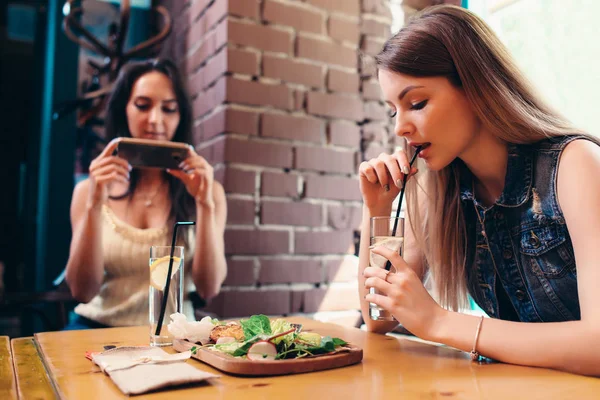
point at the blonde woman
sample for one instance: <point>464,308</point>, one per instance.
<point>503,206</point>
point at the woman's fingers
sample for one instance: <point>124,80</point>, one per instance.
<point>387,169</point>
<point>111,176</point>
<point>403,162</point>
<point>100,162</point>
<point>190,179</point>
<point>365,169</point>
<point>378,283</point>
<point>110,148</point>
<point>381,300</point>
<point>390,255</point>
<point>107,157</point>
<point>195,162</point>
<point>109,170</point>
<point>103,169</point>
<point>376,272</point>
<point>195,183</point>
<point>393,168</point>
<point>381,171</point>
<point>181,175</point>
<point>188,169</point>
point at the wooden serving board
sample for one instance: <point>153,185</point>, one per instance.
<point>242,366</point>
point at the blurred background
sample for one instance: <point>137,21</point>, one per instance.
<point>285,104</point>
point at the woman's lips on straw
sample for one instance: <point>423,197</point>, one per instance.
<point>421,145</point>
<point>422,150</point>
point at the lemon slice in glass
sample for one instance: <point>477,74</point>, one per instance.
<point>391,243</point>
<point>159,269</point>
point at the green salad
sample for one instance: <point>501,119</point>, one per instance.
<point>274,340</point>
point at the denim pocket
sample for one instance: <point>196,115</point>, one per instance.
<point>549,252</point>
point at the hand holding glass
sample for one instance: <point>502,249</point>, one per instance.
<point>382,229</point>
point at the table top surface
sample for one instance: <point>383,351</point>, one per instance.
<point>391,367</point>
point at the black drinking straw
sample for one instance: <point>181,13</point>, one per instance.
<point>163,306</point>
<point>388,264</point>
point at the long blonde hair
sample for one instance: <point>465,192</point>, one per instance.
<point>452,42</point>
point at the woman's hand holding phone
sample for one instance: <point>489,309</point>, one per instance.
<point>198,177</point>
<point>105,169</point>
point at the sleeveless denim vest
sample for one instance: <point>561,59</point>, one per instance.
<point>524,240</point>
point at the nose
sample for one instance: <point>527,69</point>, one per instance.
<point>156,119</point>
<point>403,126</point>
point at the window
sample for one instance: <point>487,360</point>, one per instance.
<point>554,43</point>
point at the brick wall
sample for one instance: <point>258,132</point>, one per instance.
<point>286,107</point>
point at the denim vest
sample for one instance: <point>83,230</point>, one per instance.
<point>524,240</point>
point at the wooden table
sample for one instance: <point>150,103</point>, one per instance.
<point>392,368</point>
<point>8,388</point>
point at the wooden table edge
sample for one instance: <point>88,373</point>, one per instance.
<point>10,368</point>
<point>45,369</point>
<point>49,372</point>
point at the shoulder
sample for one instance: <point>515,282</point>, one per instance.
<point>81,190</point>
<point>580,153</point>
<point>79,200</point>
<point>559,143</point>
<point>578,171</point>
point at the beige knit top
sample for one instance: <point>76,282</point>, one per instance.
<point>123,296</point>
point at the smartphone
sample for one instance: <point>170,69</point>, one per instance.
<point>146,153</point>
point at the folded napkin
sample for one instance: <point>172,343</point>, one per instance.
<point>138,370</point>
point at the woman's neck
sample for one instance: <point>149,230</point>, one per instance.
<point>487,158</point>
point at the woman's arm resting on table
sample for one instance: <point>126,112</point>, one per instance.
<point>569,346</point>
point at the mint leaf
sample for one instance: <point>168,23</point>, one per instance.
<point>256,325</point>
<point>339,342</point>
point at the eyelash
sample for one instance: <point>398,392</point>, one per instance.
<point>419,106</point>
<point>416,107</point>
<point>144,107</point>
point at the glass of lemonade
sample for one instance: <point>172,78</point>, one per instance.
<point>381,235</point>
<point>159,267</point>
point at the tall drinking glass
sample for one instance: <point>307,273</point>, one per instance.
<point>159,267</point>
<point>382,229</point>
